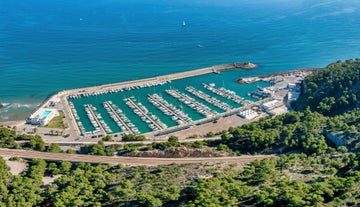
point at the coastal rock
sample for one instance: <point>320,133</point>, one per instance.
<point>246,65</point>
<point>1,105</point>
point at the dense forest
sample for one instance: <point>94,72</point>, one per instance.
<point>332,179</point>
<point>310,172</point>
<point>332,91</point>
<point>302,131</point>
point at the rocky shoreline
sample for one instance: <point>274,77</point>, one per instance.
<point>246,65</point>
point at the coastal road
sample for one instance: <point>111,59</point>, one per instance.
<point>130,161</point>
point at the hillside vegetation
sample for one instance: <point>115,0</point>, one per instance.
<point>296,180</point>
<point>334,90</point>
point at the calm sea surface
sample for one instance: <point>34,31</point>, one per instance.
<point>52,45</point>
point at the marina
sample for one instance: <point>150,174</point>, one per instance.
<point>160,105</point>
<point>174,110</point>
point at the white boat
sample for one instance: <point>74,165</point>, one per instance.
<point>183,23</point>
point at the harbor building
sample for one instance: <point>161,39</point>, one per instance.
<point>42,116</point>
<point>292,96</point>
<point>248,114</point>
<point>270,105</point>
<point>293,93</point>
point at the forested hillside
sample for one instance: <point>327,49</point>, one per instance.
<point>302,131</point>
<point>333,90</point>
<point>332,179</point>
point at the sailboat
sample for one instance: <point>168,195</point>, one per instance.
<point>183,23</point>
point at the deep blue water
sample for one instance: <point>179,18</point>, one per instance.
<point>51,45</point>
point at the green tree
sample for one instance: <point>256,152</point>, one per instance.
<point>53,168</point>
<point>107,138</point>
<point>54,147</point>
<point>174,141</point>
<point>37,143</point>
<point>65,167</point>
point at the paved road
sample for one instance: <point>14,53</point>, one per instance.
<point>126,160</point>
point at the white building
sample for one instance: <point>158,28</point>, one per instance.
<point>292,96</point>
<point>248,114</point>
<point>291,86</point>
<point>42,116</point>
<point>270,105</point>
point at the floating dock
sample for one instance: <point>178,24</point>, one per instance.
<point>211,100</point>
<point>153,121</point>
<point>192,103</point>
<point>94,119</point>
<point>168,109</point>
<point>114,114</point>
<point>123,122</point>
<point>223,92</point>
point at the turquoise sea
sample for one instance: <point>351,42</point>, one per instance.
<point>52,45</point>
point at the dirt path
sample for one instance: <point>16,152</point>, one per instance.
<point>126,160</point>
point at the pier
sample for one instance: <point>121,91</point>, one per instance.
<point>200,108</point>
<point>223,92</point>
<point>123,126</point>
<point>208,98</point>
<point>142,113</point>
<point>169,109</point>
<point>94,120</point>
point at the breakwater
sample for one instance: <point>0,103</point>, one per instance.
<point>164,78</point>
